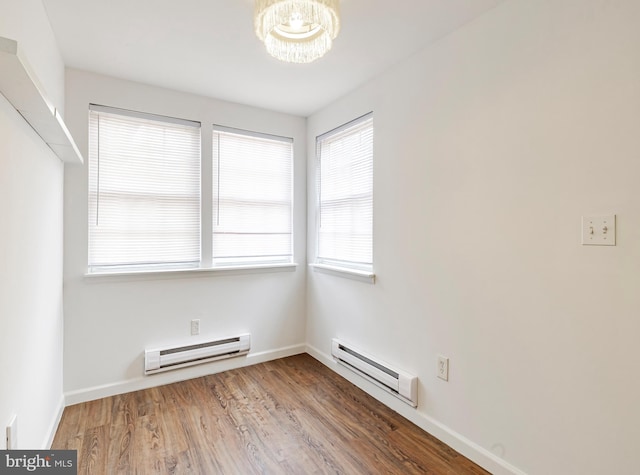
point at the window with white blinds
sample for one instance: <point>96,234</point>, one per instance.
<point>252,198</point>
<point>345,195</point>
<point>144,190</point>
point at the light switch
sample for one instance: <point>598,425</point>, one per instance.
<point>599,230</point>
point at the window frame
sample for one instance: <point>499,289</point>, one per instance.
<point>224,262</point>
<point>206,265</point>
<point>341,267</point>
<point>96,112</point>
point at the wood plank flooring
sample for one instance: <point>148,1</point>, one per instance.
<point>289,416</point>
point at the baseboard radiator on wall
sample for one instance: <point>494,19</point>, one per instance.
<point>165,359</point>
<point>400,384</point>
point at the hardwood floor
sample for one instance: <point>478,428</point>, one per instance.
<point>289,416</point>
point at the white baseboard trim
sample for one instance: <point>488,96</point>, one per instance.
<point>146,382</point>
<point>53,427</point>
<point>458,442</point>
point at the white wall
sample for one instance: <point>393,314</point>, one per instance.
<point>31,180</point>
<point>109,321</point>
<point>26,22</point>
<point>489,147</point>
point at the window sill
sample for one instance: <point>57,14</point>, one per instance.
<point>360,275</point>
<point>192,272</point>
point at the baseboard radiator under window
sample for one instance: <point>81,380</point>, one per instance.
<point>400,384</point>
<point>164,359</point>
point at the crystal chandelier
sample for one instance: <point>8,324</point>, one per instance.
<point>297,31</point>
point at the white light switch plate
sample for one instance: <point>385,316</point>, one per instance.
<point>599,230</point>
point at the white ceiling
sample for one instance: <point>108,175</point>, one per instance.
<point>208,47</point>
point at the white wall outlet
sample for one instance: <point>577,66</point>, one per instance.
<point>443,367</point>
<point>195,326</point>
<point>12,433</point>
<point>599,230</point>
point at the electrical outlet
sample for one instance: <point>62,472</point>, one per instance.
<point>443,367</point>
<point>12,433</point>
<point>195,326</point>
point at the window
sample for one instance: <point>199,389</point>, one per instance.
<point>144,190</point>
<point>345,196</point>
<point>252,197</point>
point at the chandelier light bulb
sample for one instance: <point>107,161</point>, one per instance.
<point>297,31</point>
<point>296,21</point>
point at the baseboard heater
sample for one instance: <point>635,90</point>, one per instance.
<point>165,359</point>
<point>400,384</point>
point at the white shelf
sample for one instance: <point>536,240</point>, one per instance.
<point>23,90</point>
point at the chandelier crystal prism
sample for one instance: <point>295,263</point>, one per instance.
<point>297,31</point>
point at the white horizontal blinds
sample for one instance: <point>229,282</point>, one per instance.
<point>345,231</point>
<point>144,190</point>
<point>252,197</point>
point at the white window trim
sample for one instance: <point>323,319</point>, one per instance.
<point>328,266</point>
<point>206,266</point>
<point>224,261</point>
<point>346,272</point>
<point>144,274</point>
<point>183,261</point>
